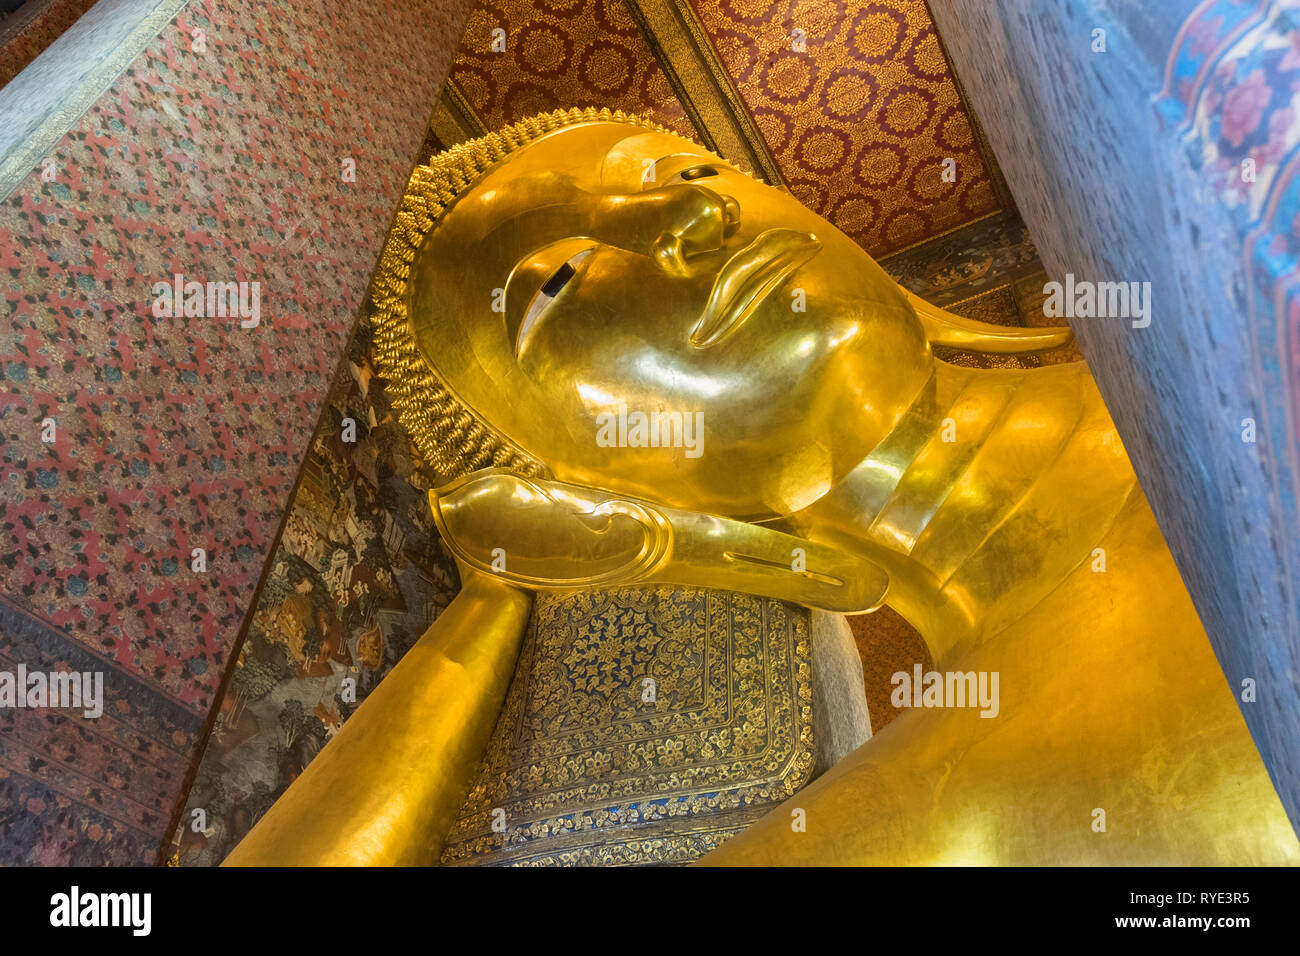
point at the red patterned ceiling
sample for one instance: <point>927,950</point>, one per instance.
<point>561,53</point>
<point>859,123</point>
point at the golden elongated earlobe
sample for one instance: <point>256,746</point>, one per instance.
<point>954,331</point>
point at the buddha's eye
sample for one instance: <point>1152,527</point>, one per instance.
<point>547,292</point>
<point>698,172</point>
<point>551,288</point>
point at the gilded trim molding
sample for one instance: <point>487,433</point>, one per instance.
<point>702,84</point>
<point>454,120</point>
<point>46,99</point>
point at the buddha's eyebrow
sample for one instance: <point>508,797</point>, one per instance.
<point>697,157</point>
<point>647,163</point>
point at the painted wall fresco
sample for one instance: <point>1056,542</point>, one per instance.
<point>357,578</point>
<point>86,792</point>
<point>172,433</point>
<point>973,259</point>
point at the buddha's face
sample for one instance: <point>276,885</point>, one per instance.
<point>604,269</point>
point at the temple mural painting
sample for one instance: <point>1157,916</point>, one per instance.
<point>357,577</point>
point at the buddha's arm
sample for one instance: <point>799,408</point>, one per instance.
<point>1110,699</point>
<point>386,789</point>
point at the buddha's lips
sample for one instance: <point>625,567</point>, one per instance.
<point>747,278</point>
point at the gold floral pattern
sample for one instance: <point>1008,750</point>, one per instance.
<point>860,111</point>
<point>643,725</point>
<point>559,55</point>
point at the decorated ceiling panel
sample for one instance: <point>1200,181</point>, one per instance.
<point>859,108</point>
<point>559,54</point>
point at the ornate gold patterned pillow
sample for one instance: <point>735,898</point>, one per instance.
<point>644,725</point>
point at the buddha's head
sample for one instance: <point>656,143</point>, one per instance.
<point>579,267</point>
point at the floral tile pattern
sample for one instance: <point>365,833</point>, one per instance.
<point>559,54</point>
<point>859,107</point>
<point>219,155</point>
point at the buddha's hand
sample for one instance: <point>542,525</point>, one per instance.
<point>550,535</point>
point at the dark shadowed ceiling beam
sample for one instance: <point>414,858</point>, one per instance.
<point>454,120</point>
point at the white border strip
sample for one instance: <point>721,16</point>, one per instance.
<point>47,98</point>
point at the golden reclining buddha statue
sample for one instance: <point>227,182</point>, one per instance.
<point>634,363</point>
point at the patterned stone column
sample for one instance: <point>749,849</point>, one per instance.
<point>261,144</point>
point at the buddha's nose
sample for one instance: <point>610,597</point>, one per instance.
<point>732,215</point>
<point>701,220</point>
<point>674,223</point>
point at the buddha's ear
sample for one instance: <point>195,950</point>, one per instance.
<point>954,331</point>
